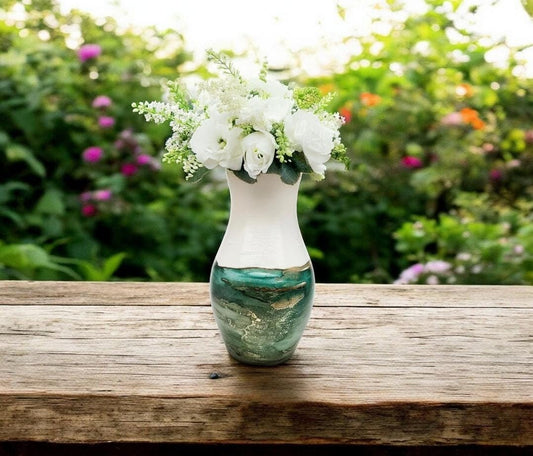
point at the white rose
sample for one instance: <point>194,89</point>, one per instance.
<point>308,134</point>
<point>215,142</point>
<point>259,149</point>
<point>271,87</point>
<point>262,113</point>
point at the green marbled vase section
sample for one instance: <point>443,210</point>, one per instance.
<point>262,313</point>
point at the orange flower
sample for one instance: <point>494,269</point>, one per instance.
<point>471,116</point>
<point>464,90</point>
<point>326,88</point>
<point>477,124</point>
<point>370,99</point>
<point>346,112</point>
<point>468,115</point>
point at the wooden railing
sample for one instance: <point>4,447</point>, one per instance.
<point>84,362</point>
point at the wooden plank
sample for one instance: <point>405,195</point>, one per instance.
<point>429,371</point>
<point>185,293</point>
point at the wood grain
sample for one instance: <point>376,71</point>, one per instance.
<point>378,364</point>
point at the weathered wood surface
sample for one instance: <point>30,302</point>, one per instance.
<point>378,364</point>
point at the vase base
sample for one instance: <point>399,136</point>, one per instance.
<point>261,313</point>
<point>253,359</point>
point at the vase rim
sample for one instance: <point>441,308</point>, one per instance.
<point>262,176</point>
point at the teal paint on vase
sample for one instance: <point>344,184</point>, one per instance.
<point>262,280</point>
<point>262,313</point>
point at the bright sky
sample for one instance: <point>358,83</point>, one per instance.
<point>272,27</point>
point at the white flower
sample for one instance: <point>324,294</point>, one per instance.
<point>308,134</point>
<point>262,113</point>
<point>270,88</point>
<point>259,150</point>
<point>271,102</point>
<point>216,143</point>
<point>211,118</point>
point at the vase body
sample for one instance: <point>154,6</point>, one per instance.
<point>262,280</point>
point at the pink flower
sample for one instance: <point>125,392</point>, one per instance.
<point>85,197</point>
<point>144,159</point>
<point>128,169</point>
<point>495,174</point>
<point>89,51</point>
<point>411,162</point>
<point>437,266</point>
<point>102,101</point>
<point>103,195</point>
<point>106,121</point>
<point>488,148</point>
<point>410,274</point>
<point>93,154</point>
<point>89,210</point>
<point>453,118</point>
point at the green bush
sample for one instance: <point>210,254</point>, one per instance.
<point>83,194</point>
<point>428,120</point>
<point>441,144</point>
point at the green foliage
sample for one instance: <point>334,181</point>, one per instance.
<point>121,216</point>
<point>428,121</point>
<point>481,244</point>
<point>439,176</point>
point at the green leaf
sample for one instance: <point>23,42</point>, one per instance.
<point>99,274</point>
<point>112,264</point>
<point>23,256</point>
<point>288,174</point>
<point>244,176</point>
<point>300,163</point>
<point>13,216</point>
<point>275,168</point>
<point>16,152</point>
<point>29,257</point>
<point>90,272</point>
<point>198,175</point>
<point>4,138</point>
<point>51,203</point>
<point>6,190</point>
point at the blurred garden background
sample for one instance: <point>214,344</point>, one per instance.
<point>439,128</point>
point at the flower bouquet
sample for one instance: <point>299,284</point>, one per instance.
<point>262,280</point>
<point>250,126</point>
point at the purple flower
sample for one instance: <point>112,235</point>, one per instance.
<point>89,51</point>
<point>128,169</point>
<point>102,101</point>
<point>144,159</point>
<point>103,195</point>
<point>89,210</point>
<point>93,154</point>
<point>411,162</point>
<point>410,274</point>
<point>106,121</point>
<point>85,197</point>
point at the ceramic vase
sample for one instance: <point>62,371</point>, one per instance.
<point>262,280</point>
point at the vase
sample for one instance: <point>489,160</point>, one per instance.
<point>262,280</point>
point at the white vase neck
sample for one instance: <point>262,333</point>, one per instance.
<point>263,228</point>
